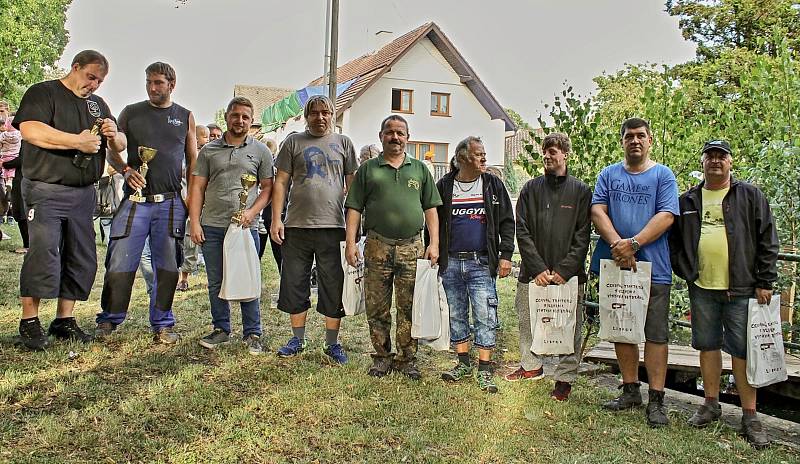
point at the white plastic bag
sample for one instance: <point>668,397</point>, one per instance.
<point>241,268</point>
<point>353,292</point>
<point>766,361</point>
<point>623,299</point>
<point>553,317</point>
<point>426,321</point>
<point>443,342</point>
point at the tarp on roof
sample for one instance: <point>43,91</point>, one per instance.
<point>285,109</point>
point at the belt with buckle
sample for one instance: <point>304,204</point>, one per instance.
<point>467,254</point>
<point>157,198</point>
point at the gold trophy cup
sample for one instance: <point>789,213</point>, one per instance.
<point>146,154</point>
<point>98,123</point>
<point>248,181</point>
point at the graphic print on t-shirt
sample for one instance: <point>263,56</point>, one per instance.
<point>318,163</point>
<point>629,192</point>
<point>468,222</point>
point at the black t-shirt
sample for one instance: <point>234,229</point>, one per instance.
<point>52,103</point>
<point>164,129</point>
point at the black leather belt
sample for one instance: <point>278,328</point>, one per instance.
<point>157,198</point>
<point>467,254</point>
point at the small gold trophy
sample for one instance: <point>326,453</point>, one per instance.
<point>248,181</point>
<point>98,123</point>
<point>146,154</point>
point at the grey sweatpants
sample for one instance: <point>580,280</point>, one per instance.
<point>567,367</point>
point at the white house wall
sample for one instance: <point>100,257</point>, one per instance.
<point>424,70</point>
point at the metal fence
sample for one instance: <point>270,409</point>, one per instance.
<point>686,324</point>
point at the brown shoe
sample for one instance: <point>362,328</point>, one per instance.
<point>104,330</point>
<point>522,374</point>
<point>183,286</point>
<point>166,336</point>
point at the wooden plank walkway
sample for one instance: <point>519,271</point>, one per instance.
<point>687,359</point>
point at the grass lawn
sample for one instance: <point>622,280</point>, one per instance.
<point>128,400</point>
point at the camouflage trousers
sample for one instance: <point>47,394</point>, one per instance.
<point>387,267</point>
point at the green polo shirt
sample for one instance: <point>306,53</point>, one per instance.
<point>393,200</point>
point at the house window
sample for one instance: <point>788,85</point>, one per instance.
<point>418,150</point>
<point>402,101</point>
<point>440,104</point>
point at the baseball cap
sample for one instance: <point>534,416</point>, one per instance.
<point>717,145</point>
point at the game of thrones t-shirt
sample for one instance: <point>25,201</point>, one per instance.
<point>52,103</point>
<point>632,200</point>
<point>468,221</point>
<point>317,167</point>
<point>165,130</point>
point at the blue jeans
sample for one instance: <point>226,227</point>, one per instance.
<point>469,283</point>
<point>718,322</point>
<point>221,309</point>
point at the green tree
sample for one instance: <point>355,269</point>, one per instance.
<point>219,119</point>
<point>719,25</point>
<point>32,39</point>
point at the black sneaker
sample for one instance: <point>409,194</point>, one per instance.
<point>67,329</point>
<point>754,432</point>
<point>630,398</point>
<point>380,367</point>
<point>409,369</point>
<point>656,412</point>
<point>705,415</point>
<point>216,338</point>
<point>31,334</point>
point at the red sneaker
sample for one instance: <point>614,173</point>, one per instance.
<point>522,374</point>
<point>561,391</point>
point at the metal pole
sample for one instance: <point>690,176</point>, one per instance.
<point>326,59</point>
<point>334,52</point>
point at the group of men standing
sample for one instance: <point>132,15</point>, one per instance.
<point>720,225</point>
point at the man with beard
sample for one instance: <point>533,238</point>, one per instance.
<point>158,214</point>
<point>215,189</point>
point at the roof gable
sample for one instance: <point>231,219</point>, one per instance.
<point>370,67</point>
<point>261,97</point>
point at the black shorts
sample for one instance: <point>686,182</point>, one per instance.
<point>656,324</point>
<point>62,259</point>
<point>301,247</point>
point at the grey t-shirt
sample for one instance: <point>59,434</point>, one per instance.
<point>223,166</point>
<point>317,167</point>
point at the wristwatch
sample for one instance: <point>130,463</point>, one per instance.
<point>634,244</point>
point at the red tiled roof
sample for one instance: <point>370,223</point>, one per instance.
<point>370,67</point>
<point>261,97</point>
<point>515,145</point>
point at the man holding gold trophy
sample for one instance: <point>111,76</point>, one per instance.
<point>161,136</point>
<point>224,190</point>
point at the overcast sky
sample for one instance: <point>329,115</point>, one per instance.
<point>522,50</point>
